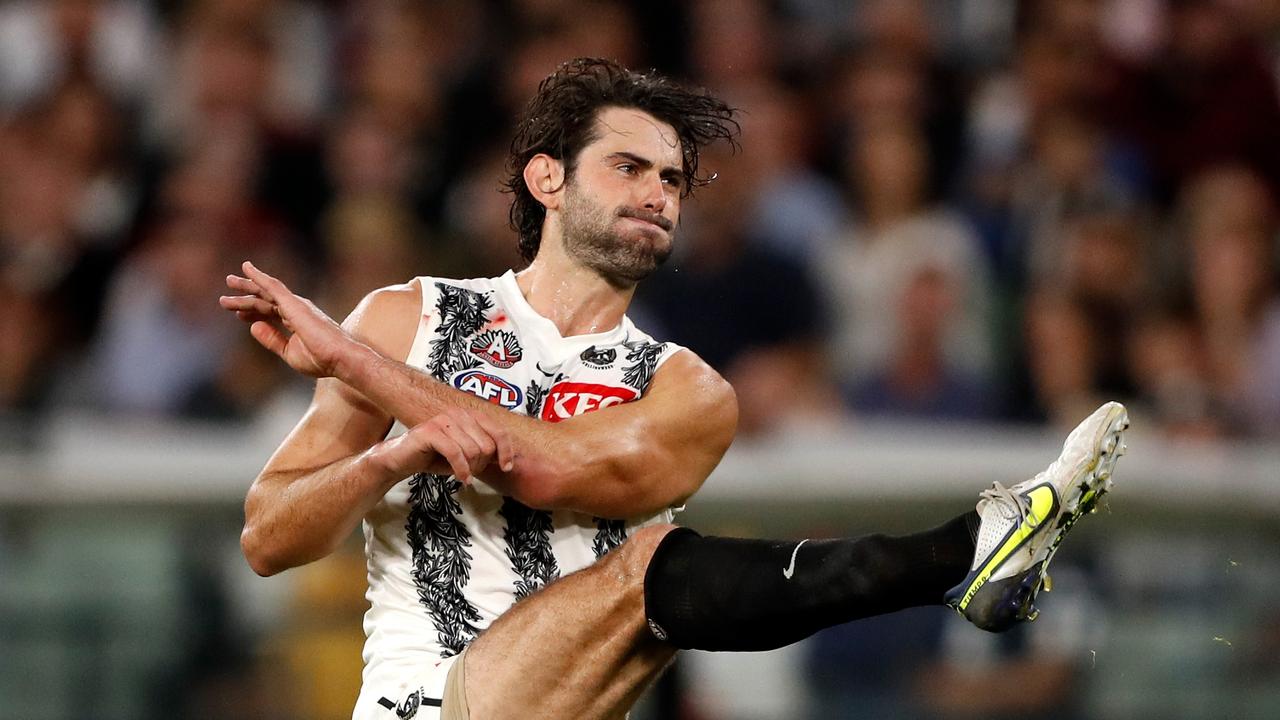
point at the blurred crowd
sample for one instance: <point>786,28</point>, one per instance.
<point>942,210</point>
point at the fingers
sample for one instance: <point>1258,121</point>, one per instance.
<point>463,431</point>
<point>247,304</point>
<point>268,286</point>
<point>298,314</point>
<point>466,441</point>
<point>503,450</point>
<point>268,335</point>
<point>260,285</point>
<point>476,438</point>
<point>449,449</point>
<point>441,438</point>
<point>244,285</point>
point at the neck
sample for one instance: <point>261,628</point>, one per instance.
<point>575,298</point>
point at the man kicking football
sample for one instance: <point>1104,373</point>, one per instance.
<point>522,561</point>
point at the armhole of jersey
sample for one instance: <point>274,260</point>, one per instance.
<point>668,352</point>
<point>421,339</point>
<point>669,515</point>
<point>426,318</point>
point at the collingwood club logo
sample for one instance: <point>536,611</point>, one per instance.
<point>499,348</point>
<point>408,708</point>
<point>599,357</point>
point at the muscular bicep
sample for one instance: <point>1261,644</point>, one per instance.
<point>657,451</point>
<point>339,423</point>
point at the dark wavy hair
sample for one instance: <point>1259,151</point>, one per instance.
<point>560,121</point>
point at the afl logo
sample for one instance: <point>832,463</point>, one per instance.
<point>497,347</point>
<point>599,357</point>
<point>567,399</point>
<point>489,387</point>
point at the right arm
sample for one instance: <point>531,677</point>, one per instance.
<point>335,466</point>
<point>322,479</point>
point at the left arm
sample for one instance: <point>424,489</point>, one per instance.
<point>639,457</point>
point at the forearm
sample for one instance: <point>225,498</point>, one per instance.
<point>412,396</point>
<point>405,393</point>
<point>293,518</point>
<point>609,463</point>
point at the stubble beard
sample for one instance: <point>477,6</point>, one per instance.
<point>592,238</point>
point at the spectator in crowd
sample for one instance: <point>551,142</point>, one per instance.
<point>793,207</point>
<point>896,74</point>
<point>732,42</point>
<point>1167,355</point>
<point>1068,174</point>
<point>916,379</point>
<point>220,93</point>
<point>113,45</point>
<point>1079,307</point>
<point>898,232</point>
<point>370,242</point>
<point>749,311</point>
<point>159,341</point>
<point>58,229</point>
<point>1205,356</point>
<point>1207,96</point>
<point>480,241</point>
<point>1232,226</point>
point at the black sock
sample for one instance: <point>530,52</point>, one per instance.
<point>712,593</point>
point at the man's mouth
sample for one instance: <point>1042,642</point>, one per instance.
<point>647,217</point>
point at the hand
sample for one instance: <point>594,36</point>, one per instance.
<point>458,442</point>
<point>287,324</point>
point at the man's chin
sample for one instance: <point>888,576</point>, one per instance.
<point>625,272</point>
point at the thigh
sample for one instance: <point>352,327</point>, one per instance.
<point>579,648</point>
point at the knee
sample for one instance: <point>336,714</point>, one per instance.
<point>630,560</point>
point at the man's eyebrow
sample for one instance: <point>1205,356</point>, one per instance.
<point>642,162</point>
<point>631,158</point>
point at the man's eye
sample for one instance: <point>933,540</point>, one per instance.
<point>627,168</point>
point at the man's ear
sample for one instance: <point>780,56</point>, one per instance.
<point>544,176</point>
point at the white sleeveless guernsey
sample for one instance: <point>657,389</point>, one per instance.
<point>446,560</point>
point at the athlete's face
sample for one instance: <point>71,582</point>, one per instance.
<point>622,203</point>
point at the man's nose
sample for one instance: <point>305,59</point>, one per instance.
<point>654,194</point>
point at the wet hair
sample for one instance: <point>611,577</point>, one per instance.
<point>560,121</point>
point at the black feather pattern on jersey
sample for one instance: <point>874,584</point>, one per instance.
<point>535,396</point>
<point>441,563</point>
<point>437,536</point>
<point>462,314</point>
<point>643,357</point>
<point>528,537</point>
<point>609,535</point>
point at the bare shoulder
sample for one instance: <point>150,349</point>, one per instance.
<point>702,393</point>
<point>387,319</point>
<point>690,371</point>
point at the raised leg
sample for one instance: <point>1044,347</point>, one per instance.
<point>579,648</point>
<point>587,645</point>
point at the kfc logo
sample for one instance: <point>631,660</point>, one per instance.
<point>569,399</point>
<point>489,387</point>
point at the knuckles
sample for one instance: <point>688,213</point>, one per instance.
<point>440,432</point>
